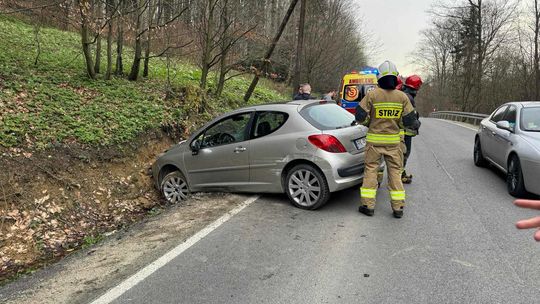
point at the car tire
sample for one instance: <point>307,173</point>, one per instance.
<point>478,155</point>
<point>306,187</point>
<point>174,187</point>
<point>514,178</point>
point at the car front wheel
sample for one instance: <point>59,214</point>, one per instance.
<point>306,187</point>
<point>174,187</point>
<point>514,178</point>
<point>479,159</point>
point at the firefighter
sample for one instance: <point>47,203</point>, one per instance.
<point>411,87</point>
<point>382,111</point>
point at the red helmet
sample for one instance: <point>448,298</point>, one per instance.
<point>414,82</point>
<point>399,83</point>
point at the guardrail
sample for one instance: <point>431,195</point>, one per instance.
<point>472,118</point>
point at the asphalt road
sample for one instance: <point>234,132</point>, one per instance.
<point>456,244</point>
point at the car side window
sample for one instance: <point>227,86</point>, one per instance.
<point>268,122</point>
<point>498,114</point>
<point>227,131</point>
<point>511,116</point>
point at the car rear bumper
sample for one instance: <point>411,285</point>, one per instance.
<point>351,171</point>
<point>342,170</point>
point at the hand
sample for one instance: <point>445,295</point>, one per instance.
<point>532,222</point>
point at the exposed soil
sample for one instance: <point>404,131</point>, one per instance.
<point>87,274</point>
<point>55,201</point>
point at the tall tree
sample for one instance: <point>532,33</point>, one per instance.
<point>84,7</point>
<point>268,55</point>
<point>299,46</point>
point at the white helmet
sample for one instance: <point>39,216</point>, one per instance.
<point>387,68</point>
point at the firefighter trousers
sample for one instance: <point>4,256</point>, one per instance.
<point>408,147</point>
<point>393,156</point>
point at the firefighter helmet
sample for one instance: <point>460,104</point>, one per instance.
<point>414,82</point>
<point>387,68</point>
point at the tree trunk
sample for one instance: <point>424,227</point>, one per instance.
<point>83,9</point>
<point>299,47</point>
<point>222,75</point>
<point>97,65</point>
<point>119,69</point>
<point>109,11</point>
<point>270,50</point>
<point>136,65</point>
<point>147,42</point>
<point>207,44</point>
<point>146,58</point>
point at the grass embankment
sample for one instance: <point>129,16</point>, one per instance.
<point>54,101</point>
<point>66,176</point>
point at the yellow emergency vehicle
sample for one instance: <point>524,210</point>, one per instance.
<point>355,85</point>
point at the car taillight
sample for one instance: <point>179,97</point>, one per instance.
<point>327,142</point>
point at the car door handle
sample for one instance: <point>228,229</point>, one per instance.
<point>239,149</point>
<point>493,132</point>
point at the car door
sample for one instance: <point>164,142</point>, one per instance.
<point>269,148</point>
<point>489,129</point>
<point>222,161</point>
<point>502,139</point>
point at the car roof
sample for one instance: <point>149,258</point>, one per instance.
<point>523,104</point>
<point>527,104</point>
<point>279,105</point>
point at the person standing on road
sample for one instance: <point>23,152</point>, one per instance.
<point>382,110</point>
<point>304,93</point>
<point>410,88</point>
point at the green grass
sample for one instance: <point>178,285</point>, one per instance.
<point>55,102</point>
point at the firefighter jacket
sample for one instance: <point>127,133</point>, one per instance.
<point>409,131</point>
<point>382,111</point>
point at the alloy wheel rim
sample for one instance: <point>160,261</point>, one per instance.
<point>304,187</point>
<point>175,190</point>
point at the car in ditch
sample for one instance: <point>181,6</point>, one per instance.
<point>509,139</point>
<point>306,149</point>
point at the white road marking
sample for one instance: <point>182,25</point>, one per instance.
<point>466,264</point>
<point>458,124</point>
<point>129,283</point>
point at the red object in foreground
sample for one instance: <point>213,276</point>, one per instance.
<point>351,110</point>
<point>327,142</point>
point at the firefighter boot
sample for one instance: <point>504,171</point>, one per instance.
<point>398,213</point>
<point>406,179</point>
<point>365,210</point>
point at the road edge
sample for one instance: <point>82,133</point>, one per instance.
<point>115,292</point>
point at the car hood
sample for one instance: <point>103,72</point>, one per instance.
<point>533,139</point>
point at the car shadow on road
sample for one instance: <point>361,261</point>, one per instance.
<point>502,176</point>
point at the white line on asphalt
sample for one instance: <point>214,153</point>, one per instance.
<point>120,289</point>
<point>457,124</point>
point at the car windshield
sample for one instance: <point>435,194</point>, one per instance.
<point>530,119</point>
<point>327,116</point>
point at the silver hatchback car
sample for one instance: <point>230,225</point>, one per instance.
<point>510,140</point>
<point>306,149</point>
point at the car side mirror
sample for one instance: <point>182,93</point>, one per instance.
<point>195,146</point>
<point>504,125</point>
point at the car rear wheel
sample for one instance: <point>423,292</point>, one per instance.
<point>479,159</point>
<point>306,187</point>
<point>514,178</point>
<point>174,187</point>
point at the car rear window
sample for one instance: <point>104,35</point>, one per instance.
<point>327,116</point>
<point>530,119</point>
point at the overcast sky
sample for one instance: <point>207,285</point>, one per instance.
<point>395,25</point>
